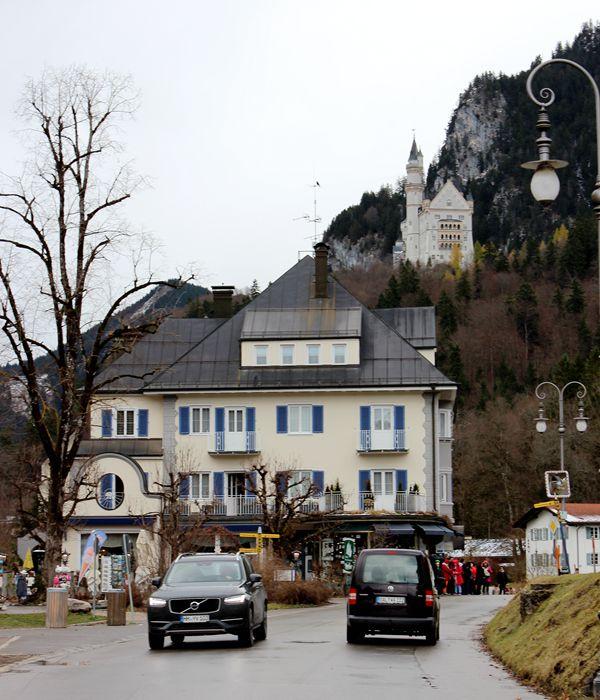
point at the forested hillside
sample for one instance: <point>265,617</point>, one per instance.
<point>492,131</point>
<point>506,324</point>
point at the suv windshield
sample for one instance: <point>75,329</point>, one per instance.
<point>390,568</point>
<point>205,571</point>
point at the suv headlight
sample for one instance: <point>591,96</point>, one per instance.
<point>156,602</point>
<point>232,600</point>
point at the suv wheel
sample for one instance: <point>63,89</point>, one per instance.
<point>260,633</point>
<point>246,637</point>
<point>354,636</point>
<point>156,640</point>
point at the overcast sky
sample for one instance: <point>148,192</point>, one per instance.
<point>245,102</point>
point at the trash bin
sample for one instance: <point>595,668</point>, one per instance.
<point>57,607</point>
<point>116,605</point>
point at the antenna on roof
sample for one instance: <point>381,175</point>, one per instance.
<point>316,219</point>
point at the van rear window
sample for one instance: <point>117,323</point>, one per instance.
<point>383,568</point>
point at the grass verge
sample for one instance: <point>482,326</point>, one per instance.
<point>39,619</point>
<point>292,606</point>
<point>557,647</point>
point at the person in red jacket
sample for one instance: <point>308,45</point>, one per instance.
<point>457,572</point>
<point>447,572</point>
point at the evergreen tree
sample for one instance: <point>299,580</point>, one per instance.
<point>484,396</point>
<point>254,289</point>
<point>524,308</point>
<point>505,381</point>
<point>408,280</point>
<point>463,288</point>
<point>446,312</point>
<point>390,297</point>
<point>422,298</point>
<point>585,337</point>
<point>501,262</point>
<point>558,300</point>
<point>576,302</point>
<point>477,282</point>
<point>549,256</point>
<point>194,309</point>
<point>580,249</point>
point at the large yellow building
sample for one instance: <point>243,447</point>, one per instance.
<point>304,378</point>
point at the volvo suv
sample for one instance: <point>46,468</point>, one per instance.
<point>207,594</point>
<point>392,592</point>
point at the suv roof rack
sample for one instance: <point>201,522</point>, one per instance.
<point>208,554</point>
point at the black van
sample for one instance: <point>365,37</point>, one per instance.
<point>393,592</point>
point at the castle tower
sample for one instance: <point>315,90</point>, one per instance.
<point>408,247</point>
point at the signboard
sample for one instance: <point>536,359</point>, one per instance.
<point>547,504</point>
<point>349,551</point>
<point>557,484</point>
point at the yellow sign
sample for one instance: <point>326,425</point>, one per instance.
<point>547,504</point>
<point>261,535</point>
<point>248,550</point>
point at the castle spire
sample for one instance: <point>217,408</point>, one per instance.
<point>414,151</point>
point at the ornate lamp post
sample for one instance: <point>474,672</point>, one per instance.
<point>544,183</point>
<point>541,425</point>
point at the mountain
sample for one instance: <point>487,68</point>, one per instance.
<point>492,131</point>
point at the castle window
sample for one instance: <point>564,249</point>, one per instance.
<point>461,217</point>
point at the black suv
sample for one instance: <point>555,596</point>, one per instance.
<point>392,592</point>
<point>203,594</point>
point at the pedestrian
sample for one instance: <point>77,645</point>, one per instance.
<point>21,582</point>
<point>466,571</point>
<point>473,579</point>
<point>502,581</point>
<point>487,577</point>
<point>458,576</point>
<point>448,580</point>
<point>479,578</point>
<point>439,577</point>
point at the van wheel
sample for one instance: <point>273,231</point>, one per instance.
<point>432,636</point>
<point>354,636</point>
<point>156,641</point>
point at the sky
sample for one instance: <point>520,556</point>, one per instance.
<point>244,103</point>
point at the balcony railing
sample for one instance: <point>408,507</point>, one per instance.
<point>245,442</point>
<point>382,441</point>
<point>366,501</point>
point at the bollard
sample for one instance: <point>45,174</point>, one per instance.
<point>57,607</point>
<point>116,604</point>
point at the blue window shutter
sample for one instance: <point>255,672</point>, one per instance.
<point>365,418</point>
<point>250,419</point>
<point>184,487</point>
<point>106,422</point>
<point>398,417</point>
<point>282,419</point>
<point>143,422</point>
<point>147,478</point>
<point>317,419</point>
<point>364,476</point>
<point>219,420</point>
<point>401,480</point>
<point>184,420</point>
<point>318,479</point>
<point>218,482</point>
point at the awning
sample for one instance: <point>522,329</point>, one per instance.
<point>431,530</point>
<point>394,528</point>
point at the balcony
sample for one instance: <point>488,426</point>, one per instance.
<point>244,442</point>
<point>381,441</point>
<point>400,502</point>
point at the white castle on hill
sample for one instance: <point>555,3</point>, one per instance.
<point>433,228</point>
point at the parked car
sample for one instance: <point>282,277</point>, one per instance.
<point>204,594</point>
<point>392,592</point>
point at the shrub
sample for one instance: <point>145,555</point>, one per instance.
<point>298,592</point>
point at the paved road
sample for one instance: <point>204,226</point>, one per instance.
<point>306,656</point>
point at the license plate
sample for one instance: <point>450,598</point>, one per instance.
<point>390,600</point>
<point>194,618</point>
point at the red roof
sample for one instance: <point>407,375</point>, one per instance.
<point>583,508</point>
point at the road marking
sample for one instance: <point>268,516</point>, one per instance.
<point>9,641</point>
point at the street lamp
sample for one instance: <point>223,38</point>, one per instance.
<point>541,426</point>
<point>544,183</point>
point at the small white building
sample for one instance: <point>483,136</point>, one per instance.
<point>543,544</point>
<point>433,228</point>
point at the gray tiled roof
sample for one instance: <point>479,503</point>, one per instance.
<point>415,324</point>
<point>301,323</point>
<point>213,362</point>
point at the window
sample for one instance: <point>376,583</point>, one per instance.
<point>445,424</point>
<point>593,533</point>
<point>541,560</point>
<point>110,492</point>
<point>383,483</point>
<point>558,536</point>
<point>287,354</point>
<point>198,485</point>
<point>382,417</point>
<point>445,488</point>
<point>261,354</point>
<point>201,420</point>
<point>299,483</point>
<point>339,354</point>
<point>125,422</point>
<point>539,534</point>
<point>300,419</point>
<point>313,354</point>
<point>593,558</point>
<point>235,420</point>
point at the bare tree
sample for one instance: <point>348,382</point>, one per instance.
<point>59,233</point>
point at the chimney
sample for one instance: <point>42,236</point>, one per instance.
<point>222,298</point>
<point>321,254</point>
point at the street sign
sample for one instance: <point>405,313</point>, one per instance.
<point>557,484</point>
<point>553,526</point>
<point>547,504</point>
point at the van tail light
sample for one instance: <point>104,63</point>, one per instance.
<point>428,598</point>
<point>352,596</point>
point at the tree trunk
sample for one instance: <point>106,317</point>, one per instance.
<point>54,546</point>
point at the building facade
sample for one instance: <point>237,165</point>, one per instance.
<point>303,378</point>
<point>433,230</point>
<point>543,542</point>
